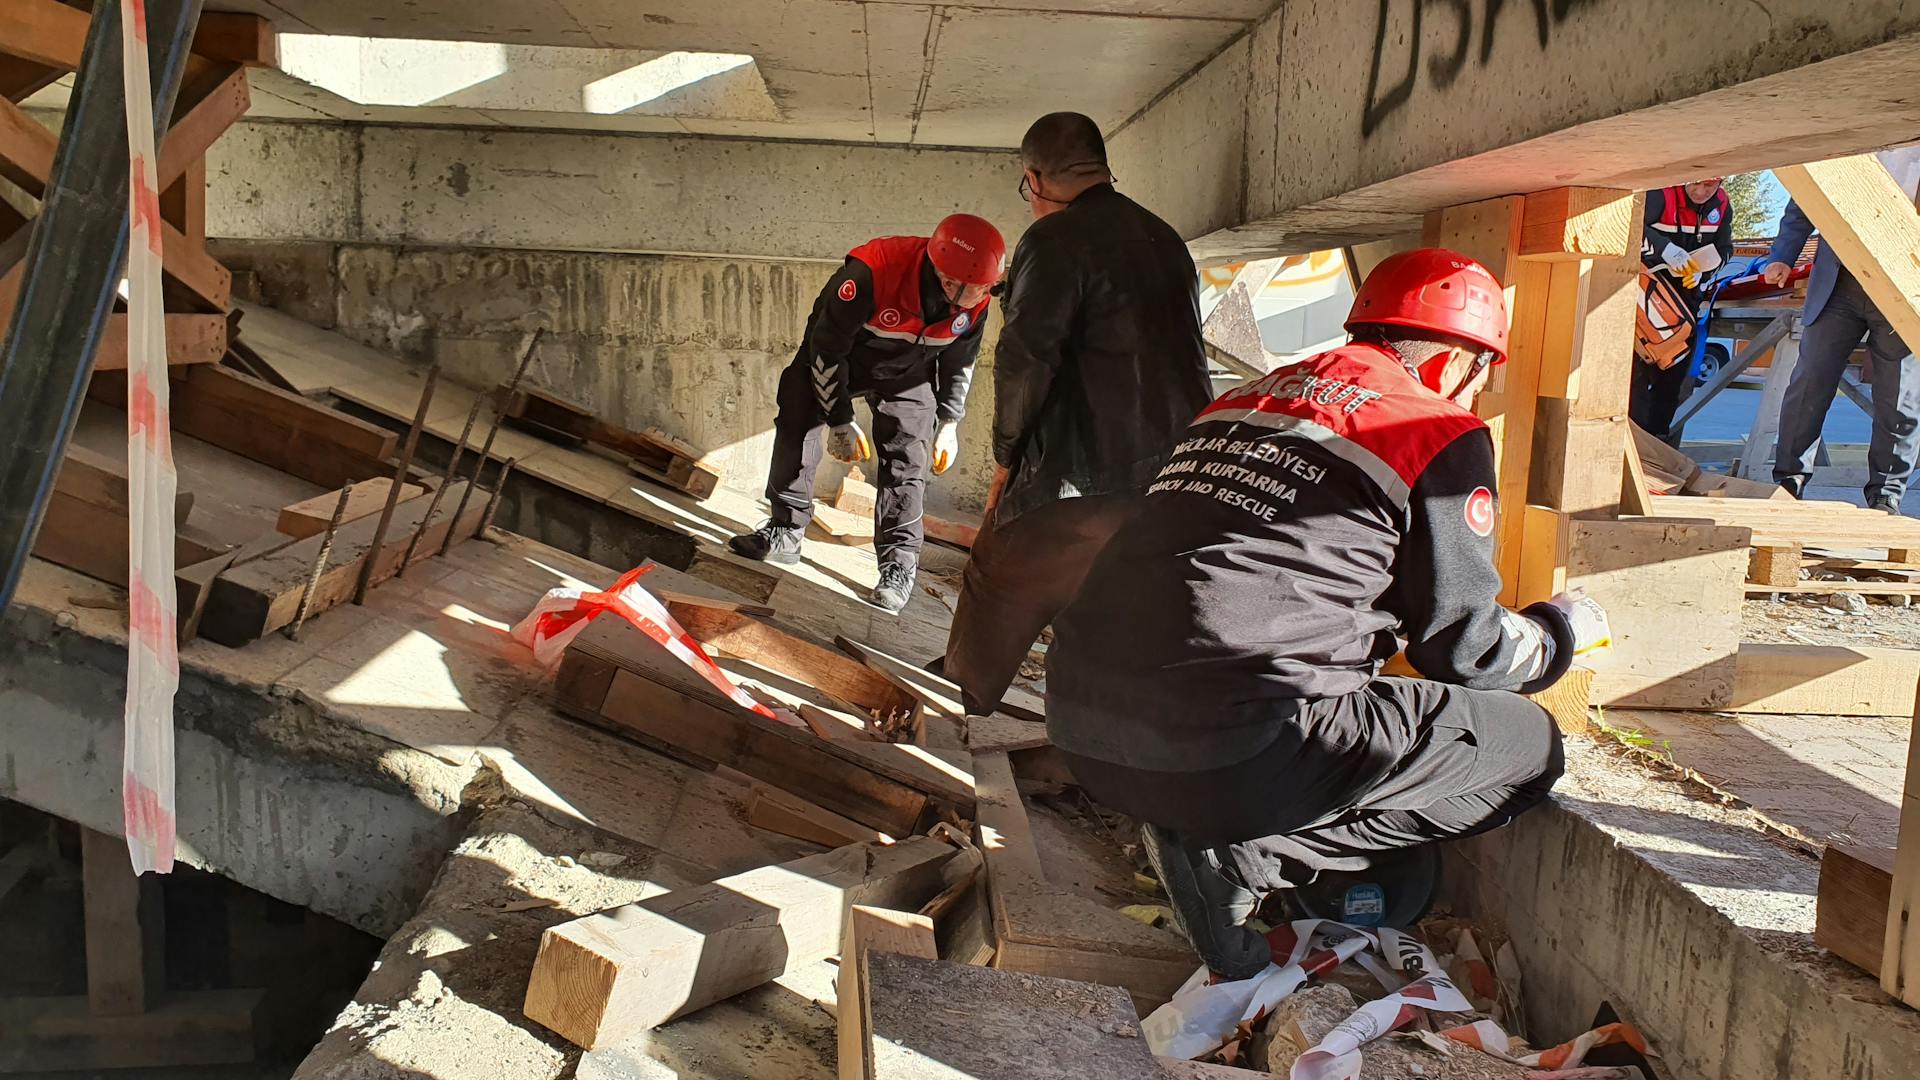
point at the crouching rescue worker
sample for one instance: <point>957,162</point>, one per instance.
<point>1217,676</point>
<point>898,325</point>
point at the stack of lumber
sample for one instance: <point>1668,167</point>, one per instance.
<point>1782,530</point>
<point>652,454</point>
<point>933,850</point>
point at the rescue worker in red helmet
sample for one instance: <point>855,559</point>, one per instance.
<point>899,325</point>
<point>1218,675</point>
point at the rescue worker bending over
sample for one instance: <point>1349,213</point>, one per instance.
<point>899,325</point>
<point>1218,675</point>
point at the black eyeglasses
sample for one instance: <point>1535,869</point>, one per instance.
<point>1026,190</point>
<point>1023,187</point>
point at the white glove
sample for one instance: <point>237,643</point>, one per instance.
<point>1592,633</point>
<point>846,442</point>
<point>1675,257</point>
<point>946,446</point>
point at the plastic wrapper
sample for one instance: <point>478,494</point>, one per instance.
<point>560,615</point>
<point>153,662</point>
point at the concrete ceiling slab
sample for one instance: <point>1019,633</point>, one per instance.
<point>967,74</point>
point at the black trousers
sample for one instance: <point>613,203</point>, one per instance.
<point>1657,394</point>
<point>903,423</point>
<point>1401,763</point>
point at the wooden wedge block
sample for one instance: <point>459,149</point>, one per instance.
<point>777,811</point>
<point>871,930</point>
<point>310,517</point>
<point>605,977</point>
<point>1850,915</point>
<point>856,496</point>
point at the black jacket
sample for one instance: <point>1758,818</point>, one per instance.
<point>1672,218</point>
<point>1100,364</point>
<point>882,324</point>
<point>1307,522</point>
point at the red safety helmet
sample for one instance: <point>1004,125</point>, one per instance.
<point>968,248</point>
<point>1435,289</point>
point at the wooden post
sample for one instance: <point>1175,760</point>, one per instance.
<point>1871,225</point>
<point>124,920</point>
<point>871,930</point>
<point>1900,958</point>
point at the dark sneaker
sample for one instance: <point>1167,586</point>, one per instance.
<point>768,543</point>
<point>1886,505</point>
<point>1795,486</point>
<point>896,585</point>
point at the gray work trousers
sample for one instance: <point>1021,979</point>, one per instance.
<point>1825,345</point>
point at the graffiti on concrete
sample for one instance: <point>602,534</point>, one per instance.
<point>1401,30</point>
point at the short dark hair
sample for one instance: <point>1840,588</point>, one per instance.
<point>1064,143</point>
<point>1414,347</point>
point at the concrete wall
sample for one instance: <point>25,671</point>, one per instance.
<point>1184,157</point>
<point>692,346</point>
<point>448,244</point>
<point>1359,117</point>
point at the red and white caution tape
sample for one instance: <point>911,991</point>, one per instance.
<point>153,662</point>
<point>1338,1056</point>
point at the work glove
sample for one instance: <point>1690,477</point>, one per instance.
<point>946,446</point>
<point>846,442</point>
<point>1592,633</point>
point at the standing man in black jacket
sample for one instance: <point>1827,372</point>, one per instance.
<point>1218,675</point>
<point>1098,369</point>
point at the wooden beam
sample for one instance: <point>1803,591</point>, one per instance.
<point>729,633</point>
<point>310,517</point>
<point>871,930</point>
<point>1046,930</point>
<point>125,938</point>
<point>86,521</point>
<point>255,598</point>
<point>1775,566</point>
<point>1872,226</point>
<point>26,150</point>
<point>779,811</point>
<point>1900,950</point>
<point>1777,522</point>
<point>618,677</point>
<point>1635,496</point>
<point>291,433</point>
<point>933,691</point>
<point>184,205</point>
<point>203,120</point>
<point>1850,914</point>
<point>237,38</point>
<point>1824,680</point>
<point>605,977</point>
<point>856,496</point>
<point>44,31</point>
<point>21,79</point>
<point>191,339</point>
<point>1574,223</point>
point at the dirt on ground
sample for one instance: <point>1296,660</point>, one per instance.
<point>1813,619</point>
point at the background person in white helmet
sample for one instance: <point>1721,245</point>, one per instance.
<point>1218,676</point>
<point>899,325</point>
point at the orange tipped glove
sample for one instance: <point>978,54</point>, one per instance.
<point>946,446</point>
<point>846,442</point>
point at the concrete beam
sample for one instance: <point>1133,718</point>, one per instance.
<point>1445,104</point>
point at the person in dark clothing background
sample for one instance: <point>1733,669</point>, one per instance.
<point>1217,677</point>
<point>1688,234</point>
<point>900,325</point>
<point>1098,368</point>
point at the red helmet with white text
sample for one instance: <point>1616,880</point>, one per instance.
<point>1435,289</point>
<point>968,248</point>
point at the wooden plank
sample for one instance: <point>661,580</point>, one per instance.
<point>1850,915</point>
<point>1900,952</point>
<point>1824,680</point>
<point>253,599</point>
<point>1635,496</point>
<point>856,496</point>
<point>191,339</point>
<point>237,38</point>
<point>871,930</point>
<point>986,734</point>
<point>727,633</point>
<point>274,427</point>
<point>658,699</point>
<point>44,31</point>
<point>956,531</point>
<point>1871,225</point>
<point>1673,593</point>
<point>126,937</point>
<point>85,525</point>
<point>1049,931</point>
<point>933,1020</point>
<point>200,277</point>
<point>605,977</point>
<point>933,691</point>
<point>1778,522</point>
<point>754,580</point>
<point>21,79</point>
<point>1572,223</point>
<point>779,811</point>
<point>310,517</point>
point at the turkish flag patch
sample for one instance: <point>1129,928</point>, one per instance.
<point>1479,512</point>
<point>848,290</point>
